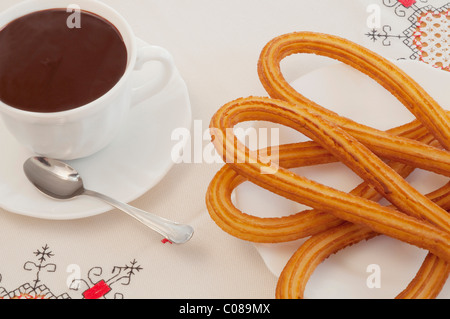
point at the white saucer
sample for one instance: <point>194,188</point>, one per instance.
<point>345,274</point>
<point>133,163</point>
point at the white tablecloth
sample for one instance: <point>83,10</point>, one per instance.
<point>215,45</point>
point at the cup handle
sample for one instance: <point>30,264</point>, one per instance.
<point>152,53</point>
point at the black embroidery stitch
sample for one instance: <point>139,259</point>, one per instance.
<point>412,14</point>
<point>38,290</point>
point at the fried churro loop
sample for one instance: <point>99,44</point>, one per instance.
<point>382,159</point>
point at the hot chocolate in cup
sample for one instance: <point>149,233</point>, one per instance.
<point>65,75</point>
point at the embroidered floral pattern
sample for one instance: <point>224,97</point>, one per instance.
<point>428,34</point>
<point>432,39</point>
<point>93,285</point>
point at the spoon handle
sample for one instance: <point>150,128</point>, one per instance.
<point>174,232</point>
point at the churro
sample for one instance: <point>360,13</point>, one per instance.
<point>382,159</point>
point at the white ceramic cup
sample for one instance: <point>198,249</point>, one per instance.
<point>82,131</point>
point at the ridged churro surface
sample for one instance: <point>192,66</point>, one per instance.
<point>383,159</point>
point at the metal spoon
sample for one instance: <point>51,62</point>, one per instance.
<point>58,180</point>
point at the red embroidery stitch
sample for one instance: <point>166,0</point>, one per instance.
<point>165,240</point>
<point>407,3</point>
<point>97,291</point>
<point>428,30</point>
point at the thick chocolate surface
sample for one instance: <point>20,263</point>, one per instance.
<point>46,66</point>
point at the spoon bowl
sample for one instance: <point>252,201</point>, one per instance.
<point>60,181</point>
<point>53,178</point>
